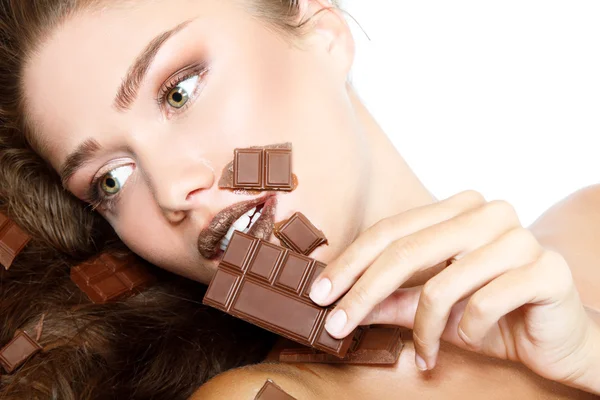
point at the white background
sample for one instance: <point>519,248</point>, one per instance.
<point>498,96</point>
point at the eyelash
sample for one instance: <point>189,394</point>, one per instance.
<point>180,76</point>
<point>108,203</point>
<point>96,199</point>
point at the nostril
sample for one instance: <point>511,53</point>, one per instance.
<point>175,216</point>
<point>191,194</point>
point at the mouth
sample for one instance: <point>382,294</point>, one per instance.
<point>255,217</point>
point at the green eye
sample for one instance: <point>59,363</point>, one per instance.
<point>113,181</point>
<point>180,94</point>
<point>177,97</point>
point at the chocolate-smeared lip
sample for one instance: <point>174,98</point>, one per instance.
<point>210,237</point>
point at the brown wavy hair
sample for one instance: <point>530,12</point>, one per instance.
<point>161,344</point>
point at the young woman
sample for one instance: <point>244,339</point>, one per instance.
<point>137,107</point>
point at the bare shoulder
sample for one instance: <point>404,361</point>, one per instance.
<point>245,383</point>
<point>572,228</point>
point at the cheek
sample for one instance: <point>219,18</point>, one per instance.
<point>143,229</point>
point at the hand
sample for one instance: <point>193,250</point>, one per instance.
<point>503,294</point>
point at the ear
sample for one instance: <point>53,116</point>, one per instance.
<point>329,31</point>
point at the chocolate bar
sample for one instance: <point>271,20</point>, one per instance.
<point>17,351</point>
<point>270,391</point>
<point>268,285</point>
<point>372,346</point>
<point>12,241</point>
<point>260,168</point>
<point>109,278</point>
<point>299,234</point>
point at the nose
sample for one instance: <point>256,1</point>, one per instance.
<point>180,185</point>
<point>181,188</point>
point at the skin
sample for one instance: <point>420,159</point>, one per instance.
<point>261,87</point>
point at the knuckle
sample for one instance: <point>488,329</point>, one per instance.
<point>360,297</point>
<point>382,229</point>
<point>433,295</point>
<point>478,307</point>
<point>501,210</point>
<point>403,250</point>
<point>344,264</point>
<point>472,197</point>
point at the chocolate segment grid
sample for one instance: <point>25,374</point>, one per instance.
<point>262,169</point>
<point>12,241</point>
<point>372,346</point>
<point>109,278</point>
<point>299,234</point>
<point>270,391</point>
<point>17,351</point>
<point>268,285</point>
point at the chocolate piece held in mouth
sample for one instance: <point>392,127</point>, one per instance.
<point>17,351</point>
<point>260,168</point>
<point>299,234</point>
<point>374,345</point>
<point>268,285</point>
<point>109,278</point>
<point>12,241</point>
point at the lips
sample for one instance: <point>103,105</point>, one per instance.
<point>210,237</point>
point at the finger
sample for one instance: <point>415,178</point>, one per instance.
<point>416,252</point>
<point>548,280</point>
<point>399,308</point>
<point>461,279</point>
<point>343,272</point>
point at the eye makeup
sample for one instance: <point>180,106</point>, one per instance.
<point>105,189</point>
<point>184,84</point>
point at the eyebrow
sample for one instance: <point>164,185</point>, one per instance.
<point>127,92</point>
<point>78,158</point>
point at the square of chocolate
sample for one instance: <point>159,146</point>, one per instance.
<point>294,269</point>
<point>135,277</point>
<point>17,351</point>
<point>270,391</point>
<point>92,271</point>
<point>265,260</point>
<point>222,288</point>
<point>239,251</point>
<point>12,242</point>
<point>278,168</point>
<point>3,221</point>
<point>248,168</point>
<point>299,234</point>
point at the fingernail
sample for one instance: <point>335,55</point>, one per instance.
<point>336,323</point>
<point>421,365</point>
<point>320,290</point>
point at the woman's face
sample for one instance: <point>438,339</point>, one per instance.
<point>209,77</point>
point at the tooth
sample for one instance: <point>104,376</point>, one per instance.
<point>229,233</point>
<point>224,244</point>
<point>256,216</point>
<point>241,223</point>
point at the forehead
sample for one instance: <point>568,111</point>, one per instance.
<point>70,82</point>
